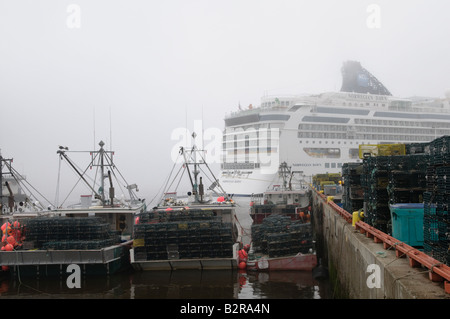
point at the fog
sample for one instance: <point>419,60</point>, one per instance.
<point>131,73</point>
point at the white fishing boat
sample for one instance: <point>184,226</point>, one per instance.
<point>198,230</point>
<point>282,235</point>
<point>94,234</point>
<point>119,213</point>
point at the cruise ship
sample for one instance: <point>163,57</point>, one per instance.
<point>318,133</point>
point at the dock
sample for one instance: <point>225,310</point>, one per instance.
<point>367,263</point>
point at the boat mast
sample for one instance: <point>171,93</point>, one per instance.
<point>3,162</point>
<point>284,171</point>
<point>105,160</point>
<point>102,171</point>
<point>196,171</point>
<point>62,153</point>
<point>187,168</point>
<point>197,189</point>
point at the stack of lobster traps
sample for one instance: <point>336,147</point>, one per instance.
<point>407,178</point>
<point>352,192</point>
<point>279,236</point>
<point>420,175</point>
<point>437,201</point>
<point>63,233</point>
<point>381,180</point>
<point>375,180</point>
<point>182,235</point>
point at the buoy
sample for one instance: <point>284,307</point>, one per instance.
<point>9,247</point>
<point>169,209</point>
<point>221,199</point>
<point>136,220</point>
<point>242,265</point>
<point>6,227</point>
<point>5,268</point>
<point>18,235</point>
<point>243,255</point>
<point>11,240</point>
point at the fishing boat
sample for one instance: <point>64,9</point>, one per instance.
<point>282,237</point>
<point>94,234</point>
<point>118,213</point>
<point>197,230</point>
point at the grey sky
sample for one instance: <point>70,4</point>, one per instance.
<point>156,65</point>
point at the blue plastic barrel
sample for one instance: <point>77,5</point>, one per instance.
<point>407,223</point>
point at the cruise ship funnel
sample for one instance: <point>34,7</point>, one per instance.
<point>358,80</point>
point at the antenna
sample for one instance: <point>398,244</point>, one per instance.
<point>94,127</point>
<point>186,126</point>
<point>110,130</point>
<point>203,130</point>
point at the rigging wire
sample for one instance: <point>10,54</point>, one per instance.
<point>124,183</point>
<point>163,187</point>
<point>80,177</point>
<point>14,173</point>
<point>58,183</point>
<point>168,187</point>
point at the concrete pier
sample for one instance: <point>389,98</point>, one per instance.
<point>360,268</point>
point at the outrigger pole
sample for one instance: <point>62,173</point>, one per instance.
<point>63,154</point>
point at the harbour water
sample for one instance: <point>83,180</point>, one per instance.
<point>181,284</point>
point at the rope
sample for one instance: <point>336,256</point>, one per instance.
<point>14,172</point>
<point>164,187</point>
<point>28,286</point>
<point>79,177</point>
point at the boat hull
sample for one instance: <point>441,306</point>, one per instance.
<point>305,262</point>
<point>105,261</point>
<point>186,264</point>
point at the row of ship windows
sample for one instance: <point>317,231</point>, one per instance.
<point>276,103</point>
<point>322,152</point>
<point>401,123</point>
<point>333,165</point>
<point>382,129</point>
<point>253,128</point>
<point>362,104</point>
<point>252,143</point>
<point>394,137</point>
